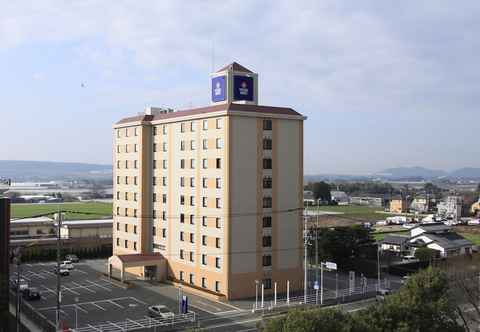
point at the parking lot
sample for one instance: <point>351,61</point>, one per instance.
<point>89,299</point>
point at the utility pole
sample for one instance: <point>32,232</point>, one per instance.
<point>305,235</point>
<point>316,248</point>
<point>378,265</point>
<point>18,255</point>
<point>59,249</point>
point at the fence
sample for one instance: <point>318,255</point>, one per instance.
<point>314,298</point>
<point>33,315</point>
<point>160,324</point>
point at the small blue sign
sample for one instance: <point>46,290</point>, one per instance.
<point>243,88</point>
<point>184,304</point>
<point>218,89</point>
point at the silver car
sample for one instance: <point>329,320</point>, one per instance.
<point>160,311</point>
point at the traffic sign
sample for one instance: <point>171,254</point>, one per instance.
<point>331,265</point>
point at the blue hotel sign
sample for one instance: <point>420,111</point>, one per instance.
<point>242,88</point>
<point>218,89</point>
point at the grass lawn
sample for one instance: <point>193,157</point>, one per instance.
<point>354,211</point>
<point>381,236</point>
<point>99,210</point>
<point>474,237</point>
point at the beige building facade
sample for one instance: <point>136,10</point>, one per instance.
<point>216,191</point>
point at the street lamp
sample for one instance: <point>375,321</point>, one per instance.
<point>256,294</point>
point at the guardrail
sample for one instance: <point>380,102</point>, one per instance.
<point>175,322</point>
<point>36,317</point>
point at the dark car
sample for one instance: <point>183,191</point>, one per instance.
<point>31,294</point>
<point>72,258</point>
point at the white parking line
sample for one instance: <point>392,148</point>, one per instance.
<point>80,308</point>
<point>80,271</point>
<point>118,305</point>
<point>48,272</point>
<point>66,289</point>
<point>81,286</point>
<point>96,305</point>
<point>135,299</point>
<point>98,285</point>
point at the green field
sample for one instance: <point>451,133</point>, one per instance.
<point>365,213</point>
<point>97,210</point>
<point>474,237</point>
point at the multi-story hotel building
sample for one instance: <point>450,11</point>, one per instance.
<point>211,197</point>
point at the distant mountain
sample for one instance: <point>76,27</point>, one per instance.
<point>466,173</point>
<point>411,172</point>
<point>20,170</point>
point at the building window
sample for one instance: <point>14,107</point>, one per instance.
<point>191,256</point>
<point>154,181</point>
<point>217,242</point>
<point>205,144</point>
<point>126,180</point>
<point>126,164</point>
<point>192,200</point>
<point>204,201</point>
<point>118,241</point>
<point>192,145</point>
<point>192,182</point>
<point>118,133</point>
<point>164,162</point>
<point>181,254</point>
<point>267,241</point>
<point>267,283</point>
<point>126,212</point>
<point>164,233</point>
<point>154,147</point>
<point>164,181</point>
<point>217,223</point>
<point>182,181</point>
<point>218,183</point>
<point>204,182</point>
<point>154,197</point>
<point>267,260</point>
<point>267,221</point>
<point>154,231</point>
<point>191,278</point>
<point>135,132</point>
<point>126,132</point>
<point>134,229</point>
<point>164,215</point>
<point>118,195</point>
<point>218,203</point>
<point>219,163</point>
<point>192,163</point>
<point>219,123</point>
<point>204,282</point>
<point>154,164</point>
<point>204,221</point>
<point>126,148</point>
<point>267,202</point>
<point>267,143</point>
<point>217,286</point>
<point>192,219</point>
<point>192,126</point>
<point>182,200</point>
<point>205,124</point>
<point>154,214</point>
<point>118,164</point>
<point>181,236</point>
<point>155,131</point>
<point>217,262</point>
<point>118,226</point>
<point>204,163</point>
<point>182,163</point>
<point>118,210</point>
<point>204,259</point>
<point>267,124</point>
<point>192,238</point>
<point>164,129</point>
<point>125,227</point>
<point>267,182</point>
<point>126,196</point>
<point>267,163</point>
<point>182,146</point>
<point>182,218</point>
<point>164,198</point>
<point>135,245</point>
<point>134,213</point>
<point>204,240</point>
<point>164,147</point>
<point>219,143</point>
<point>135,180</point>
<point>182,127</point>
<point>118,180</point>
<point>118,148</point>
<point>126,243</point>
<point>181,275</point>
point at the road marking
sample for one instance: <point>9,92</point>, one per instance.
<point>80,308</point>
<point>96,305</point>
<point>80,271</point>
<point>98,285</point>
<point>66,289</point>
<point>229,305</point>
<point>82,286</point>
<point>118,305</point>
<point>202,309</point>
<point>252,329</point>
<point>132,298</point>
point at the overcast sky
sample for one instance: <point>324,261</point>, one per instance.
<point>383,83</point>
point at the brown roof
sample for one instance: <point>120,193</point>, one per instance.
<point>129,258</point>
<point>215,108</point>
<point>235,67</point>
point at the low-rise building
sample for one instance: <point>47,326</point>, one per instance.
<point>367,201</point>
<point>87,229</point>
<point>451,207</point>
<point>475,208</point>
<point>395,243</point>
<point>398,205</point>
<point>340,197</point>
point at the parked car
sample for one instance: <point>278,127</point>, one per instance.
<point>31,294</point>
<point>63,271</point>
<point>72,258</point>
<point>22,286</point>
<point>159,311</point>
<point>409,258</point>
<point>67,264</point>
<point>381,294</point>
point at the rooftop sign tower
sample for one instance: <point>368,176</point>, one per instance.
<point>234,84</point>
